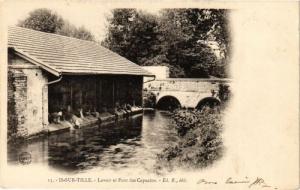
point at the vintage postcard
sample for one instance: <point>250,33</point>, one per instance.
<point>149,94</point>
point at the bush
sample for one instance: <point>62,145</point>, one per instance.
<point>149,99</point>
<point>199,143</point>
<point>224,92</point>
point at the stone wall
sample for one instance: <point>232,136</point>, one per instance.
<point>37,100</point>
<point>27,97</point>
<point>17,104</point>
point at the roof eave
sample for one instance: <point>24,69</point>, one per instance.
<point>93,73</point>
<point>36,61</point>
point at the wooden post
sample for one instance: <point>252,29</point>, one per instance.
<point>113,93</point>
<point>71,95</point>
<point>94,81</point>
<point>101,92</point>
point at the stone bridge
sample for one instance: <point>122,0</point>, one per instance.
<point>185,92</point>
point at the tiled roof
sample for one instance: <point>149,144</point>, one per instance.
<point>68,55</point>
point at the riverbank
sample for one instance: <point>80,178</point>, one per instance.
<point>198,143</point>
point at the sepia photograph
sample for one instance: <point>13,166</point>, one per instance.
<point>150,94</point>
<point>94,88</point>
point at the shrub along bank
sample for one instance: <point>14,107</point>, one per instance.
<point>149,99</point>
<point>199,141</point>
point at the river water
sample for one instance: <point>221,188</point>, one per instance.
<point>131,143</point>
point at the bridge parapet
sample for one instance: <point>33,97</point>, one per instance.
<point>183,84</point>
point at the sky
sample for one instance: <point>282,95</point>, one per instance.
<point>90,14</point>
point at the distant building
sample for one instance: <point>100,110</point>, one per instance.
<point>160,72</point>
<point>48,73</point>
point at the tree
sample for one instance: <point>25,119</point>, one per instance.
<point>84,34</point>
<point>72,31</point>
<point>43,20</point>
<point>185,40</point>
<point>132,34</point>
<point>46,20</point>
<point>187,37</point>
<point>136,36</point>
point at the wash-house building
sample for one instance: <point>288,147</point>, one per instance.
<point>48,73</point>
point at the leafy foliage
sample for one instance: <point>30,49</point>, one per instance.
<point>224,92</point>
<point>72,31</point>
<point>132,34</point>
<point>149,99</point>
<point>48,21</point>
<point>43,20</point>
<point>199,141</point>
<point>181,39</point>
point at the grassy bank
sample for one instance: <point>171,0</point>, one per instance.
<point>199,141</point>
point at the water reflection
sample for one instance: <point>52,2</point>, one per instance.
<point>127,144</point>
<point>83,149</point>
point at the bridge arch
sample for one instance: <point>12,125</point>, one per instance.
<point>208,101</point>
<point>168,102</point>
